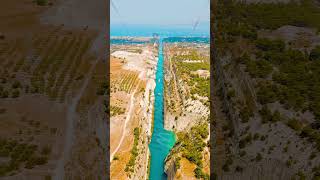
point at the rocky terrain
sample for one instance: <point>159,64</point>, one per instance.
<point>266,98</point>
<point>187,110</point>
<point>133,68</point>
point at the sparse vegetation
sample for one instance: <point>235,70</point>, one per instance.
<point>15,93</point>
<point>245,114</point>
<point>114,110</point>
<point>192,144</point>
<point>268,116</point>
<point>246,140</point>
<point>283,73</point>
<point>41,2</point>
<point>128,82</point>
<point>19,154</point>
<point>103,88</point>
<point>116,158</point>
<point>134,152</point>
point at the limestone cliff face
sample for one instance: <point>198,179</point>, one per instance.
<point>169,167</point>
<point>168,122</point>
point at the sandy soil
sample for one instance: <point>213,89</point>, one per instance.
<point>79,14</point>
<point>186,170</point>
<point>17,123</point>
<point>138,103</point>
<point>24,22</point>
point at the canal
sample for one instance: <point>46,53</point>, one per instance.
<point>162,140</point>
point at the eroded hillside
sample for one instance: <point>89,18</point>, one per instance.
<point>187,109</point>
<point>267,74</point>
<point>133,70</point>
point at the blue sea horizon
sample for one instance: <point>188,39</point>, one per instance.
<point>131,30</point>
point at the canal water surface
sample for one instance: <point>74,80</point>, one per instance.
<point>162,140</point>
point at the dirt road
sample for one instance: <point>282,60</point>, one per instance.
<point>131,107</point>
<point>71,117</point>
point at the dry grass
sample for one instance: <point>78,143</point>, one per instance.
<point>186,170</point>
<point>48,62</point>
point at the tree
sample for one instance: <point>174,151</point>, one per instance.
<point>5,94</point>
<point>16,84</point>
<point>15,93</point>
<point>315,53</point>
<point>265,44</point>
<point>42,2</point>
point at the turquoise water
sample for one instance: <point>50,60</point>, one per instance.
<point>126,41</point>
<point>162,140</point>
<point>194,39</point>
<point>164,31</point>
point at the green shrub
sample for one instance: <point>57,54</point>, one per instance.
<point>19,153</point>
<point>103,89</point>
<point>258,157</point>
<point>200,174</point>
<point>265,44</point>
<point>134,151</point>
<point>294,124</point>
<point>244,141</point>
<point>245,114</point>
<point>266,114</point>
<point>231,93</point>
<point>258,68</point>
<point>256,136</point>
<point>297,77</point>
<point>115,158</point>
<point>267,93</point>
<point>226,168</point>
<point>192,143</point>
<point>5,94</point>
<point>242,153</point>
<point>15,93</point>
<point>42,2</point>
<point>315,53</point>
<point>306,131</point>
<point>239,169</point>
<point>177,163</point>
<point>276,116</point>
<point>301,175</point>
<point>16,84</point>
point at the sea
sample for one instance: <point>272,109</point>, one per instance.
<point>162,141</point>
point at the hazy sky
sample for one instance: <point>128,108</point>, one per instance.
<point>160,12</point>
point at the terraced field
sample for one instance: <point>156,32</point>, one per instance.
<point>48,112</point>
<point>52,91</point>
<point>50,66</point>
<point>126,81</point>
<point>131,97</point>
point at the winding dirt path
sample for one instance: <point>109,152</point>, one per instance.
<point>131,107</point>
<point>71,114</point>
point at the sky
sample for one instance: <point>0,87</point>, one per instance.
<point>160,12</point>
